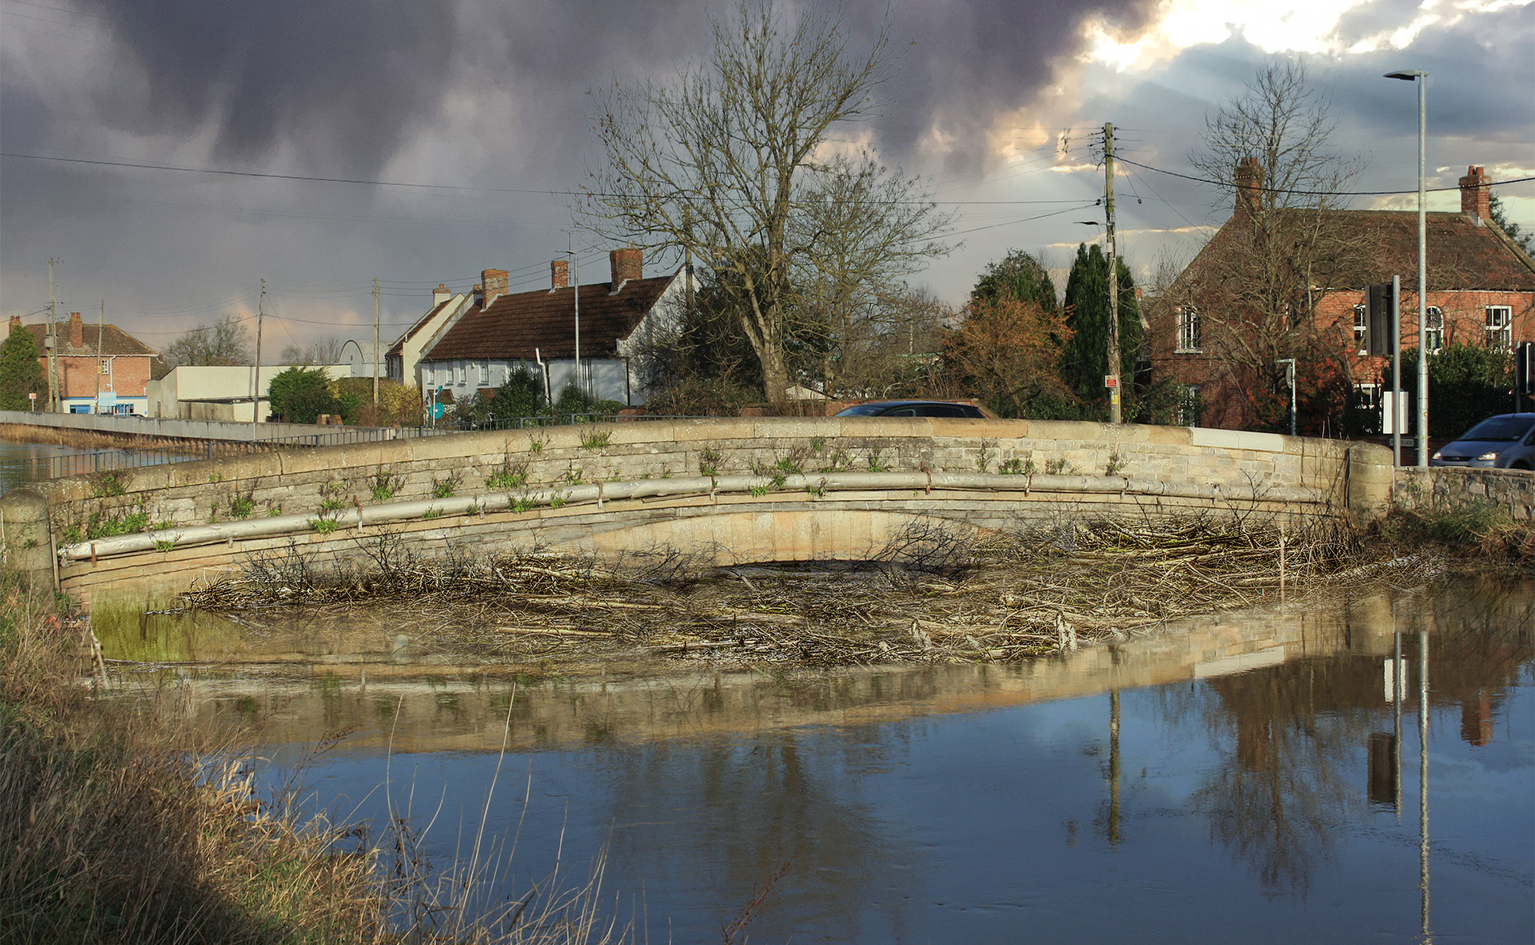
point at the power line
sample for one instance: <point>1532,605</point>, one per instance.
<point>1316,193</point>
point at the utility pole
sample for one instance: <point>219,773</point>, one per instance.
<point>101,324</point>
<point>49,342</point>
<point>1112,380</point>
<point>256,377</point>
<point>375,352</point>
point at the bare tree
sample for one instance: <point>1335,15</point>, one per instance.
<point>733,163</point>
<point>223,343</point>
<point>893,349</point>
<point>1258,282</point>
<point>324,351</point>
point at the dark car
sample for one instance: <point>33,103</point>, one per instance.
<point>1506,441</point>
<point>914,408</point>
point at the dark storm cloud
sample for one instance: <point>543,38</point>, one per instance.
<point>343,80</point>
<point>963,62</point>
<point>346,82</point>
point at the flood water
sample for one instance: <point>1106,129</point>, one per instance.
<point>1242,777</point>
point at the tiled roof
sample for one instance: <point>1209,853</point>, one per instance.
<point>1461,252</point>
<point>515,325</point>
<point>115,343</point>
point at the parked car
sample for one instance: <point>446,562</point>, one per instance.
<point>1506,441</point>
<point>914,408</point>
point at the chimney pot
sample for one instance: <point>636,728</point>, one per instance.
<point>559,274</point>
<point>627,263</point>
<point>440,294</point>
<point>496,284</point>
<point>1476,194</point>
<point>1249,185</point>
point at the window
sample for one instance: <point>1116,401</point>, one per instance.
<point>106,365</point>
<point>1500,332</point>
<point>1188,329</point>
<point>484,375</point>
<point>1433,328</point>
<point>1189,406</point>
<point>1361,328</point>
<point>463,374</point>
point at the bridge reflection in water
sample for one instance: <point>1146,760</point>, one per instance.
<point>1226,762</point>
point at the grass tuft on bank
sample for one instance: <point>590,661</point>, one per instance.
<point>110,831</point>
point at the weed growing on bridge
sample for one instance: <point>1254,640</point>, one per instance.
<point>324,525</point>
<point>838,461</point>
<point>1058,467</point>
<point>758,491</point>
<point>596,440</point>
<point>536,444</point>
<point>384,483</point>
<point>332,497</point>
<point>558,499</point>
<point>512,474</point>
<point>574,475</point>
<point>430,514</point>
<point>1115,465</point>
<point>523,503</point>
<point>1017,467</point>
<point>709,462</point>
<point>108,525</point>
<point>444,488</point>
<point>876,461</point>
<point>983,455</point>
<point>165,546</point>
<point>108,484</point>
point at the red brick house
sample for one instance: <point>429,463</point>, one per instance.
<point>102,369</point>
<point>1207,335</point>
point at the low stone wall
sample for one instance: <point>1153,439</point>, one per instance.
<point>776,481</point>
<point>1447,488</point>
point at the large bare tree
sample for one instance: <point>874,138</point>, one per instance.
<point>222,343</point>
<point>1257,285</point>
<point>733,162</point>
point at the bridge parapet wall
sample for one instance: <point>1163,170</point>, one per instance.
<point>981,472</point>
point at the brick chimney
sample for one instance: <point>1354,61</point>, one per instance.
<point>559,274</point>
<point>15,322</point>
<point>76,331</point>
<point>440,294</point>
<point>627,263</point>
<point>495,283</point>
<point>1476,193</point>
<point>1249,185</point>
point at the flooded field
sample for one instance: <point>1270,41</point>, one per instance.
<point>1262,775</point>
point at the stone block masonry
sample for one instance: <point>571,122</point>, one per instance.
<point>778,488</point>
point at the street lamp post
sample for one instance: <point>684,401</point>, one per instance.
<point>1421,77</point>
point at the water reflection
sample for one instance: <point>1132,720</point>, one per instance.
<point>1226,767</point>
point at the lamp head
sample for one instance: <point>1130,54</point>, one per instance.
<point>1407,74</point>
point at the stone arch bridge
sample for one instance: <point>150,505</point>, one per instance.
<point>722,491</point>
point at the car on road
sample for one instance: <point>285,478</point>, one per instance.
<point>914,408</point>
<point>1506,441</point>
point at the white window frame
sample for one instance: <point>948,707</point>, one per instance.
<point>1190,329</point>
<point>1190,405</point>
<point>1433,329</point>
<point>1361,328</point>
<point>1500,326</point>
<point>106,366</point>
<point>484,373</point>
<point>463,374</point>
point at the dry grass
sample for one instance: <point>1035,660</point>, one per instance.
<point>111,830</point>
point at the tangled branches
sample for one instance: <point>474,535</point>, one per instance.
<point>927,597</point>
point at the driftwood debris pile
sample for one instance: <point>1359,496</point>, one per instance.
<point>938,600</point>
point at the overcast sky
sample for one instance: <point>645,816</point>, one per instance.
<point>449,130</point>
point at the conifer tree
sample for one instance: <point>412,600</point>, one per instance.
<point>21,373</point>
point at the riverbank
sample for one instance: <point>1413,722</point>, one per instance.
<point>113,830</point>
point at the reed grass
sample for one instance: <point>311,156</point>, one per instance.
<point>119,824</point>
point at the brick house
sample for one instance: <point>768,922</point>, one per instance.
<point>102,369</point>
<point>494,332</point>
<point>1481,291</point>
